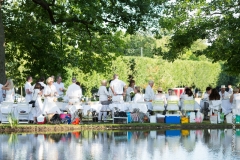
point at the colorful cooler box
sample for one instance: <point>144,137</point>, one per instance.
<point>172,133</point>
<point>172,118</point>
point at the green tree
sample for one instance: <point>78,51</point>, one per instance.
<point>138,44</point>
<point>47,35</point>
<point>216,21</point>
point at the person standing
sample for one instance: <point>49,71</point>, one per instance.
<point>59,86</point>
<point>149,95</point>
<point>9,88</point>
<point>118,88</point>
<point>50,94</point>
<point>129,90</point>
<point>74,92</point>
<point>37,95</point>
<point>28,89</point>
<point>103,98</point>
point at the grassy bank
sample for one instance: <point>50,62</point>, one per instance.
<point>33,128</point>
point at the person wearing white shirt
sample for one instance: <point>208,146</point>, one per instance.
<point>59,86</point>
<point>207,93</point>
<point>169,93</point>
<point>183,93</point>
<point>204,103</point>
<point>41,81</point>
<point>129,90</point>
<point>103,98</point>
<point>149,95</point>
<point>118,88</point>
<point>224,94</point>
<point>230,89</point>
<point>138,96</point>
<point>74,92</point>
<point>28,89</point>
<point>160,96</point>
<point>173,96</point>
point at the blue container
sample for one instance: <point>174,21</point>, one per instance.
<point>172,133</point>
<point>129,117</point>
<point>172,119</point>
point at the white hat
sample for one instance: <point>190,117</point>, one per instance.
<point>223,86</point>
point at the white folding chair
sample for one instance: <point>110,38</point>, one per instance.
<point>158,105</point>
<point>188,105</point>
<point>5,110</point>
<point>23,112</point>
<point>172,106</point>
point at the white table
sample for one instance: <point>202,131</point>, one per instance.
<point>129,106</point>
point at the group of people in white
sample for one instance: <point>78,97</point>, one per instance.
<point>118,92</point>
<point>232,96</point>
<point>49,92</point>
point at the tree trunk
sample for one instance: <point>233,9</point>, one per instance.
<point>2,50</point>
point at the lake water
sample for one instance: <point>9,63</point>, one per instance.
<point>126,145</point>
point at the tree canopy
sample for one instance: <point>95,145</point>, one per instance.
<point>46,36</point>
<point>216,21</point>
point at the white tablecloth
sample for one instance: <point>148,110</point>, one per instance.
<point>129,106</point>
<point>92,107</point>
<point>65,106</point>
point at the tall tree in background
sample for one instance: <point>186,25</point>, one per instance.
<point>2,48</point>
<point>216,21</point>
<point>46,36</point>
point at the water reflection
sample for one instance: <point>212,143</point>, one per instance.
<point>130,145</point>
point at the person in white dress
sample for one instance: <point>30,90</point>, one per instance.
<point>9,89</point>
<point>129,90</point>
<point>149,95</point>
<point>59,86</point>
<point>235,99</point>
<point>37,97</point>
<point>103,98</point>
<point>50,94</point>
<point>1,93</point>
<point>223,93</point>
<point>118,88</point>
<point>160,96</point>
<point>28,89</point>
<point>138,96</point>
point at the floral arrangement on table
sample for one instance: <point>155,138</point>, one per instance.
<point>60,99</point>
<point>132,94</point>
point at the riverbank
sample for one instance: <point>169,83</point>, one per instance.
<point>33,128</point>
